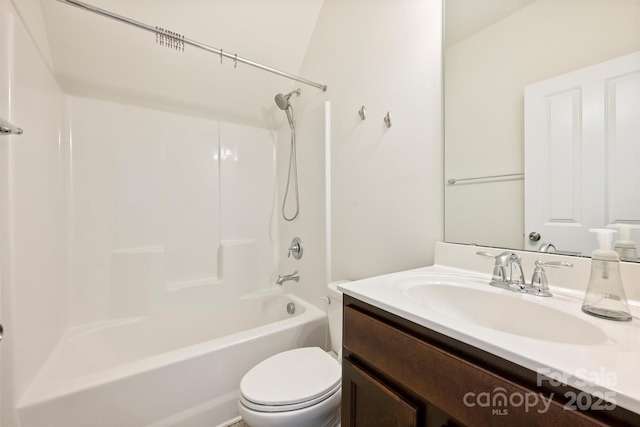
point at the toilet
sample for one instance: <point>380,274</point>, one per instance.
<point>299,387</point>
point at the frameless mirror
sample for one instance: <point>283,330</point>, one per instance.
<point>542,122</point>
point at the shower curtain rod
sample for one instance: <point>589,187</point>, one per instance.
<point>181,39</point>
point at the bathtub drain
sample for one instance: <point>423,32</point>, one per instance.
<point>291,308</point>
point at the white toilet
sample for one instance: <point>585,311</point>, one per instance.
<point>300,387</point>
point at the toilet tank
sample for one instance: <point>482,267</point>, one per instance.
<point>334,313</point>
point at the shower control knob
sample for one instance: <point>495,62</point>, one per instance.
<point>295,248</point>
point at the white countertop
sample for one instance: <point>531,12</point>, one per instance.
<point>608,369</point>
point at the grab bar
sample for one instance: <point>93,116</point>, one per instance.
<point>7,128</point>
<point>453,180</point>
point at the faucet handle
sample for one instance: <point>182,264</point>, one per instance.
<point>485,254</point>
<point>554,264</point>
<point>503,261</point>
<point>295,248</point>
<point>503,258</point>
<point>539,281</point>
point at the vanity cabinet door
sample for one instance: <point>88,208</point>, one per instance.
<point>366,402</point>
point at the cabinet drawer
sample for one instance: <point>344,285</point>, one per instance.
<point>472,395</point>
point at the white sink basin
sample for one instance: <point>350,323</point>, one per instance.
<point>473,300</point>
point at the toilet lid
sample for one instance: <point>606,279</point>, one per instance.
<point>292,377</point>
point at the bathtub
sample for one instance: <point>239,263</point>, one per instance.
<point>165,371</point>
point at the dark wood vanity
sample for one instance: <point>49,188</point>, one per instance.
<point>399,373</point>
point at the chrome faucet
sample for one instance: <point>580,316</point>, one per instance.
<point>504,275</point>
<point>294,276</point>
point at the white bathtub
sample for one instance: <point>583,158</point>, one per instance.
<point>170,371</point>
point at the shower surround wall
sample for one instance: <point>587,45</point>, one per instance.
<point>33,228</point>
<point>111,211</point>
<point>154,196</point>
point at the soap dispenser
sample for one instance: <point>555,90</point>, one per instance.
<point>605,295</point>
<point>625,247</point>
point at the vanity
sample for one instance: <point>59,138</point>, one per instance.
<point>438,346</point>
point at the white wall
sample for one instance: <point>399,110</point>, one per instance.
<point>33,207</point>
<point>386,184</point>
<point>484,88</point>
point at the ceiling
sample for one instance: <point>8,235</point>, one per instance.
<point>95,56</point>
<point>463,18</point>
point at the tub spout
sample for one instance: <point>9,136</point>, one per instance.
<point>281,279</point>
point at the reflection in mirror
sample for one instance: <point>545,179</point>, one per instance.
<point>537,171</point>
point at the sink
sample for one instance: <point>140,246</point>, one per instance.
<point>473,300</point>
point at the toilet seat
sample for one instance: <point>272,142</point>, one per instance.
<point>291,380</point>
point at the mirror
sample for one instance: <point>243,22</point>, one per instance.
<point>494,52</point>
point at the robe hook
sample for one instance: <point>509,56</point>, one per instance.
<point>362,112</point>
<point>387,119</point>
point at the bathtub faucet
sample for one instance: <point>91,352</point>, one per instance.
<point>281,279</point>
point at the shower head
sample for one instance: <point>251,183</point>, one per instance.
<point>282,101</point>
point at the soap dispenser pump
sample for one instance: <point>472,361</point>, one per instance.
<point>605,295</point>
<point>625,247</point>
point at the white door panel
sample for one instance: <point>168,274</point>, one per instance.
<point>623,150</point>
<point>582,153</point>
